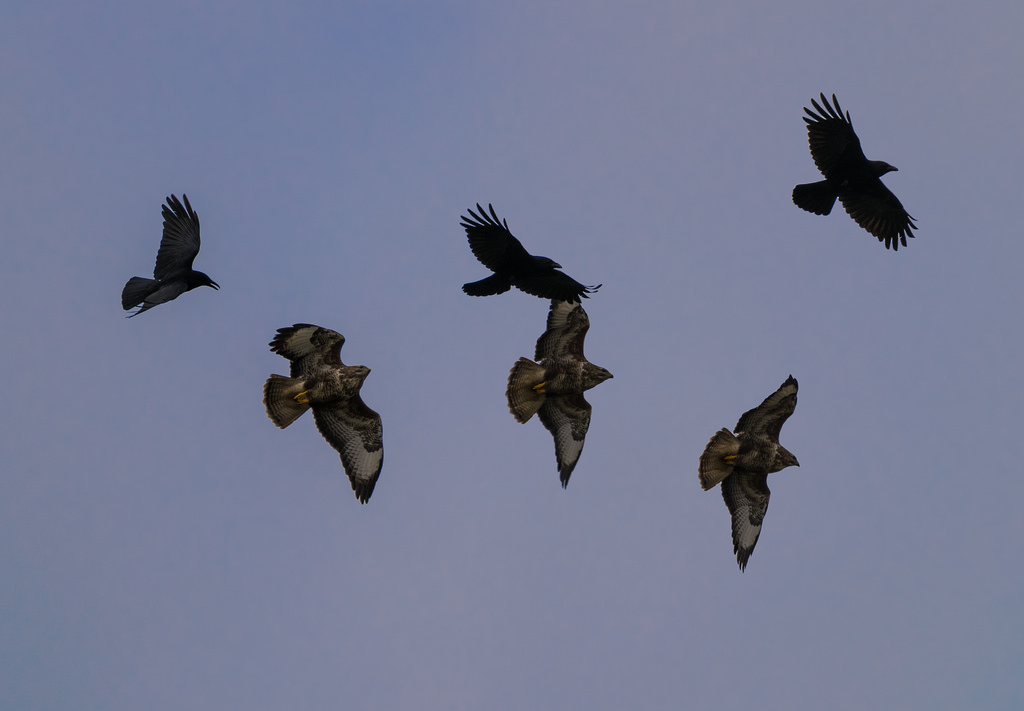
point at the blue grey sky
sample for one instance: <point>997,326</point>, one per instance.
<point>164,546</point>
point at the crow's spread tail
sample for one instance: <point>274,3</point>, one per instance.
<point>136,291</point>
<point>494,284</point>
<point>816,197</point>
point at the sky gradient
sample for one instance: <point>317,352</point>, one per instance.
<point>164,546</point>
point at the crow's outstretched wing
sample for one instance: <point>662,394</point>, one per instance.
<point>180,243</point>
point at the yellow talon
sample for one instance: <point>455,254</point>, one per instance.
<point>301,398</point>
<point>539,387</point>
<point>730,458</point>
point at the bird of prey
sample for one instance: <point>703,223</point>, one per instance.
<point>553,386</point>
<point>173,274</point>
<point>319,380</point>
<point>743,461</point>
<point>498,250</point>
<point>851,177</point>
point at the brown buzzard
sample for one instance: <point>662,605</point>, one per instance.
<point>851,177</point>
<point>173,275</point>
<point>743,461</point>
<point>553,386</point>
<point>493,244</point>
<point>319,380</point>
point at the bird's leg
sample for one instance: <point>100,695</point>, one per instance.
<point>539,387</point>
<point>730,458</point>
<point>301,398</point>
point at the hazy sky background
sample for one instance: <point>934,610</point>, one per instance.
<point>164,547</point>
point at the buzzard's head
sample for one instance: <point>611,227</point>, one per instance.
<point>784,458</point>
<point>594,375</point>
<point>880,167</point>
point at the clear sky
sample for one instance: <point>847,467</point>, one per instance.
<point>163,546</point>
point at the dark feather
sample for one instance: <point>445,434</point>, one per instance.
<point>850,177</point>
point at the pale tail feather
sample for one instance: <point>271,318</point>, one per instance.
<point>279,398</point>
<point>523,400</point>
<point>713,468</point>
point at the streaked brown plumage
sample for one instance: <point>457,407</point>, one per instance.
<point>743,461</point>
<point>553,387</point>
<point>319,380</point>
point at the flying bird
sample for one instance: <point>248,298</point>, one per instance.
<point>319,380</point>
<point>498,250</point>
<point>850,177</point>
<point>743,461</point>
<point>173,274</point>
<point>553,386</point>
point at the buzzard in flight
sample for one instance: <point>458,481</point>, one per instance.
<point>173,275</point>
<point>743,461</point>
<point>499,251</point>
<point>851,177</point>
<point>553,387</point>
<point>319,380</point>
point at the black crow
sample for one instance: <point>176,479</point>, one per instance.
<point>173,272</point>
<point>851,177</point>
<point>499,251</point>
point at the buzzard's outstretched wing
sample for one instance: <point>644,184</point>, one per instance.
<point>567,418</point>
<point>567,327</point>
<point>180,243</point>
<point>768,417</point>
<point>308,347</point>
<point>356,432</point>
<point>746,494</point>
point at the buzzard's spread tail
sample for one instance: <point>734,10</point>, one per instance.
<point>279,397</point>
<point>136,291</point>
<point>494,284</point>
<point>524,398</point>
<point>714,467</point>
<point>816,197</point>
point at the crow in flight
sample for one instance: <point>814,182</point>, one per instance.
<point>851,177</point>
<point>502,253</point>
<point>173,272</point>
